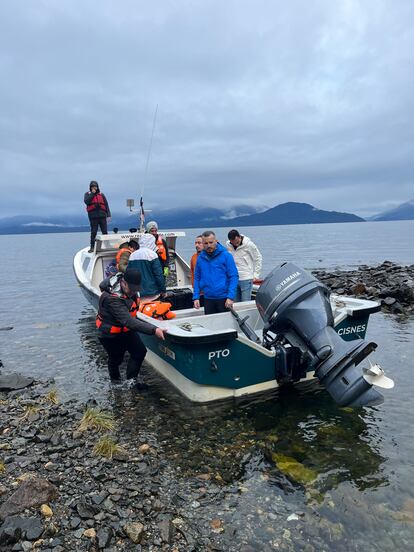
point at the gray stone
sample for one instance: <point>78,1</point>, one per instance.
<point>11,382</point>
<point>166,530</point>
<point>15,528</point>
<point>85,510</point>
<point>104,537</point>
<point>75,522</point>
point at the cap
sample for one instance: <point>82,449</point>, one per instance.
<point>132,277</point>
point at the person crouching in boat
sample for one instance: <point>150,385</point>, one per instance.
<point>124,252</point>
<point>118,326</point>
<point>98,211</point>
<point>145,259</point>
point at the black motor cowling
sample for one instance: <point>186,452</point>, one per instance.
<point>296,305</point>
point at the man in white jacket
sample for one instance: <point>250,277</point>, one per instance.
<point>248,261</point>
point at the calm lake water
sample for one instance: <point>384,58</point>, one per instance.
<point>362,498</point>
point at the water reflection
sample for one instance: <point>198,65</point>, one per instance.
<point>310,440</point>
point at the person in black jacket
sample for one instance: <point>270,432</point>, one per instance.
<point>98,211</point>
<point>118,326</point>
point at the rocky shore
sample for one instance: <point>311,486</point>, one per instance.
<point>71,479</point>
<point>389,283</point>
<point>75,477</point>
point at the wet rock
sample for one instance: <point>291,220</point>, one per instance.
<point>85,510</point>
<point>75,522</point>
<point>386,281</point>
<point>104,537</point>
<point>12,382</point>
<point>34,491</point>
<point>15,528</point>
<point>359,289</point>
<point>166,529</point>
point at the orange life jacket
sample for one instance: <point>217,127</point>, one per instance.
<point>119,254</point>
<point>97,203</point>
<point>162,252</point>
<point>157,309</point>
<point>114,328</point>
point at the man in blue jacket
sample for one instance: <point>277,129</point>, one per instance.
<point>216,275</point>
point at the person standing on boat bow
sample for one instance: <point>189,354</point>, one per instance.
<point>98,211</point>
<point>118,326</point>
<point>216,275</point>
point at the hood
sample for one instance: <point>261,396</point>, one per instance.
<point>219,249</point>
<point>94,183</point>
<point>246,241</point>
<point>112,285</point>
<point>148,241</point>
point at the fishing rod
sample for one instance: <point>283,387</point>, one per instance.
<point>141,201</point>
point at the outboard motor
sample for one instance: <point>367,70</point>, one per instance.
<point>295,305</point>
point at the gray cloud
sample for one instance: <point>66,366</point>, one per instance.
<point>260,102</point>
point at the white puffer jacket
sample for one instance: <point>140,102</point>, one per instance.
<point>248,259</point>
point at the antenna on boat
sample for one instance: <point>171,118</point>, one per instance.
<point>131,202</point>
<point>141,201</point>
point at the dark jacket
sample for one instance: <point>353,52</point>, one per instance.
<point>114,310</point>
<point>96,213</point>
<point>216,275</point>
<point>152,278</point>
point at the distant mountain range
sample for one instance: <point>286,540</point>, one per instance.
<point>201,217</point>
<point>405,211</point>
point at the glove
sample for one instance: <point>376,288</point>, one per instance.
<point>166,271</point>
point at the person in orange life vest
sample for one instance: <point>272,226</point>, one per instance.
<point>162,248</point>
<point>118,326</point>
<point>98,211</point>
<point>199,248</point>
<point>124,252</point>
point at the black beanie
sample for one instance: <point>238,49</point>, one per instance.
<point>132,277</point>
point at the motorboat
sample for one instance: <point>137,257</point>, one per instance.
<point>293,330</point>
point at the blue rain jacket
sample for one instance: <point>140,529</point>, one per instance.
<point>215,275</point>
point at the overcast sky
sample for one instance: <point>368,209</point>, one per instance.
<point>259,102</point>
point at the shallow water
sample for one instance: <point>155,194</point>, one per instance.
<point>351,489</point>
